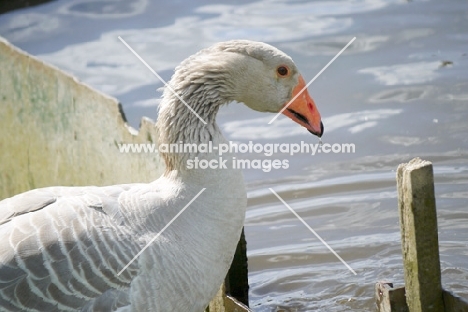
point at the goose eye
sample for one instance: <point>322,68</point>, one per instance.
<point>282,70</point>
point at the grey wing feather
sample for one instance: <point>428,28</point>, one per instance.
<point>61,249</point>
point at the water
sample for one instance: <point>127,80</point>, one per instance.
<point>399,91</point>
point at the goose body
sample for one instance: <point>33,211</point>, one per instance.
<point>62,248</point>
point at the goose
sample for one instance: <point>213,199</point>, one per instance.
<point>65,248</point>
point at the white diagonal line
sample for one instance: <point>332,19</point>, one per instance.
<point>160,232</point>
<point>313,79</point>
<point>313,232</point>
<point>160,78</point>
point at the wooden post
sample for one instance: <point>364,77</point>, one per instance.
<point>420,246</point>
<point>237,282</point>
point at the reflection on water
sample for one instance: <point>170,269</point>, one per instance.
<point>404,74</point>
<point>104,8</point>
<point>358,121</point>
<point>408,141</point>
<point>388,94</point>
<point>331,44</point>
<point>23,27</point>
<point>258,128</point>
<point>401,95</point>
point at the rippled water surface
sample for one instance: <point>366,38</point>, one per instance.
<point>399,91</point>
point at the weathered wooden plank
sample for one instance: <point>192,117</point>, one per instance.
<point>418,221</point>
<point>223,303</point>
<point>237,284</point>
<point>389,299</point>
<point>454,303</point>
<point>232,305</point>
<point>59,131</point>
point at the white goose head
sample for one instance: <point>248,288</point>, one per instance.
<point>254,73</point>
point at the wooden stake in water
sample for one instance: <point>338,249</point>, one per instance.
<point>419,239</point>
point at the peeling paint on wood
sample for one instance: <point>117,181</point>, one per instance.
<point>58,131</point>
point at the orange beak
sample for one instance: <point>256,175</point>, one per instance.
<point>303,110</point>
